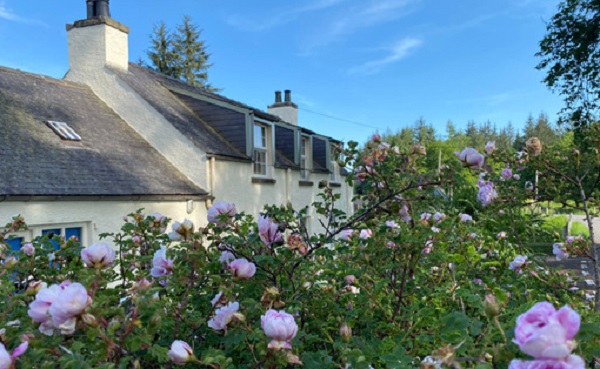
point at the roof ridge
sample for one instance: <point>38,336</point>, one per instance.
<point>44,77</point>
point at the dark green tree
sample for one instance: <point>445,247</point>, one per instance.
<point>181,54</point>
<point>161,54</point>
<point>570,54</point>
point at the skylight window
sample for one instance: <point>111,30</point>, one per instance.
<point>63,130</point>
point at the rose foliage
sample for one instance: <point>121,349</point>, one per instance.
<point>434,270</point>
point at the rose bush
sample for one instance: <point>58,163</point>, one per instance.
<point>432,270</point>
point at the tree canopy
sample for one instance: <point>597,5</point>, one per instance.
<point>180,54</point>
<point>570,54</point>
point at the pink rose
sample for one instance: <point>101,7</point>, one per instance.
<point>268,231</point>
<point>350,279</point>
<point>544,333</point>
<point>71,302</point>
<point>490,146</point>
<point>518,263</point>
<point>226,257</point>
<point>181,230</point>
<point>217,211</point>
<point>391,224</point>
<point>428,247</point>
<point>242,268</point>
<point>529,186</point>
<point>559,250</point>
<point>280,327</point>
<point>501,235</point>
<point>28,249</point>
<point>161,265</point>
<point>7,360</point>
<point>438,217</point>
<point>180,352</point>
<point>465,218</point>
<point>487,194</point>
<point>346,234</point>
<point>506,173</point>
<point>365,233</point>
<point>471,158</point>
<point>98,255</point>
<point>224,316</point>
<point>404,213</point>
<point>571,362</point>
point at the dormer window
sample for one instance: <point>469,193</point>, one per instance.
<point>261,151</point>
<point>63,130</point>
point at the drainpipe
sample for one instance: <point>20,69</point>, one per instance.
<point>288,183</point>
<point>211,182</point>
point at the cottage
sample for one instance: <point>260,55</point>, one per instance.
<point>112,137</point>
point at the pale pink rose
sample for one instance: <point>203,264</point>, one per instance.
<point>350,279</point>
<point>216,301</point>
<point>490,146</point>
<point>280,327</point>
<point>181,230</point>
<point>501,235</point>
<point>136,239</point>
<point>471,158</point>
<point>38,308</point>
<point>507,173</point>
<point>428,247</point>
<point>529,186</point>
<point>559,250</point>
<point>353,289</point>
<point>98,255</point>
<point>365,233</point>
<point>516,177</point>
<point>180,352</point>
<point>158,221</point>
<point>224,316</point>
<point>544,333</point>
<point>242,268</point>
<point>465,218</point>
<point>28,249</point>
<point>426,216</point>
<point>438,217</point>
<point>487,194</point>
<point>404,213</point>
<point>346,234</point>
<point>215,213</point>
<point>226,257</point>
<point>268,231</point>
<point>7,360</point>
<point>376,137</point>
<point>161,265</point>
<point>571,362</point>
<point>435,229</point>
<point>518,263</point>
<point>71,302</point>
<point>391,224</point>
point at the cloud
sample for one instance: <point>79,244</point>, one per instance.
<point>9,15</point>
<point>397,52</point>
<point>361,16</point>
<point>278,19</point>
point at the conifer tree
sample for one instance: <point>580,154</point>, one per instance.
<point>181,54</point>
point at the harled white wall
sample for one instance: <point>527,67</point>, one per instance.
<point>95,217</point>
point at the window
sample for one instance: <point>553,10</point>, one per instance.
<point>304,156</point>
<point>335,168</point>
<point>63,130</point>
<point>261,157</point>
<point>66,232</point>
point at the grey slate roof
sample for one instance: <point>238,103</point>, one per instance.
<point>111,159</point>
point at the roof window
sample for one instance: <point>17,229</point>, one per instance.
<point>63,130</point>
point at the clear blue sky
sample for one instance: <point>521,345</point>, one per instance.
<point>381,63</point>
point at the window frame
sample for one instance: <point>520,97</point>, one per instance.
<point>266,150</point>
<point>305,155</point>
<point>34,231</point>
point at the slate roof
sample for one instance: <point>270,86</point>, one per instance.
<point>111,159</point>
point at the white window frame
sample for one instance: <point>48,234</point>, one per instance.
<point>34,231</point>
<point>305,157</point>
<point>334,176</point>
<point>267,149</point>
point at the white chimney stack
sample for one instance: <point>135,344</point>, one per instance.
<point>97,41</point>
<point>286,109</point>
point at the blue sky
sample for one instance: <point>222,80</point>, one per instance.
<point>381,64</point>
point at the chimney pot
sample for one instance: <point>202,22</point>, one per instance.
<point>97,8</point>
<point>277,97</point>
<point>288,96</point>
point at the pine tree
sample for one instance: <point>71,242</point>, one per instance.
<point>181,54</point>
<point>161,54</point>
